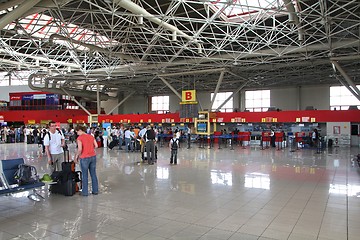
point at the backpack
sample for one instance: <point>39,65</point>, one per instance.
<point>58,131</point>
<point>26,174</point>
<point>174,144</point>
<point>150,134</point>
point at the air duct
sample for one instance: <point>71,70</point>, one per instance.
<point>293,18</point>
<point>136,9</point>
<point>276,52</point>
<point>42,59</point>
<point>17,12</point>
<point>89,46</point>
<point>6,5</point>
<point>91,95</point>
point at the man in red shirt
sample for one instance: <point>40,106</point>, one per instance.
<point>87,156</point>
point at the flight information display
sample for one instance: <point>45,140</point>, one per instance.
<point>189,111</point>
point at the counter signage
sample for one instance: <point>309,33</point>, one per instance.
<point>13,98</point>
<point>27,97</point>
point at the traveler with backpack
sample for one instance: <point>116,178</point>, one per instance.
<point>174,145</point>
<point>54,141</point>
<point>87,156</point>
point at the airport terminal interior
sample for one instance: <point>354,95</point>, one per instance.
<point>105,60</point>
<point>213,193</point>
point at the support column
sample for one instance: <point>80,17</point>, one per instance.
<point>299,98</point>
<point>98,98</point>
<point>235,92</point>
<point>217,89</point>
<point>171,87</point>
<point>76,101</point>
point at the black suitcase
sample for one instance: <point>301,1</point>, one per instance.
<point>65,185</point>
<point>67,179</point>
<point>113,143</point>
<point>69,186</point>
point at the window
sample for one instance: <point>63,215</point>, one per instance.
<point>220,99</point>
<point>341,98</point>
<point>160,104</point>
<point>43,26</point>
<point>257,101</point>
<point>245,10</point>
<point>17,78</point>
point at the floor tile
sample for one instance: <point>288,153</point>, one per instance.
<point>211,194</point>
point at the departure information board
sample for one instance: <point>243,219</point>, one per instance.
<point>189,111</point>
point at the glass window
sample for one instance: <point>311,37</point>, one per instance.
<point>160,104</point>
<point>257,101</point>
<point>43,26</point>
<point>245,10</point>
<point>220,99</point>
<point>17,78</point>
<point>341,98</point>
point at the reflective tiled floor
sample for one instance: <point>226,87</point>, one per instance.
<point>212,194</point>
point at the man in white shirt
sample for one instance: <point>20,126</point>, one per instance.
<point>129,135</point>
<point>54,142</point>
<point>27,134</point>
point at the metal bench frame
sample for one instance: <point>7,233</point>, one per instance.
<point>8,183</point>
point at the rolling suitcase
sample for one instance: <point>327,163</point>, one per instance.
<point>113,143</point>
<point>66,184</point>
<point>68,180</point>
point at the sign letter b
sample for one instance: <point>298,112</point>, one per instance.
<point>188,96</point>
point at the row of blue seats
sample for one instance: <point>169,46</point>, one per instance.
<point>8,183</point>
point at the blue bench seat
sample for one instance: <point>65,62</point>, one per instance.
<point>8,183</point>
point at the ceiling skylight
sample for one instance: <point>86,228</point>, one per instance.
<point>43,26</point>
<point>241,10</point>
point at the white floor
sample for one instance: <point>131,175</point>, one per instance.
<point>212,194</point>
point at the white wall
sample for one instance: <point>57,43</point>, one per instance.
<point>285,98</point>
<point>291,98</point>
<point>343,135</point>
<point>204,99</point>
<point>298,98</point>
<point>109,105</point>
<point>135,104</point>
<point>5,90</point>
<point>174,103</point>
<point>317,96</point>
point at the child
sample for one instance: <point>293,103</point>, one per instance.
<point>174,144</point>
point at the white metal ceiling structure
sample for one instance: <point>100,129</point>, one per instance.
<point>157,47</point>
